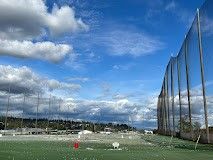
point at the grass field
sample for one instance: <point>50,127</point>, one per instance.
<point>136,148</point>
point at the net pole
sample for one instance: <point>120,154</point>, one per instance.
<point>22,115</point>
<point>48,120</point>
<point>59,106</point>
<point>202,75</point>
<point>8,104</point>
<point>179,94</point>
<point>187,82</point>
<point>36,125</point>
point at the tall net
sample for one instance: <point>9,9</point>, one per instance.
<point>206,21</point>
<point>189,85</point>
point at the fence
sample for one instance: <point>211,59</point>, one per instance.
<point>185,103</point>
<point>37,112</point>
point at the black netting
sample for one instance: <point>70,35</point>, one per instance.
<point>195,83</point>
<point>206,25</point>
<point>188,82</point>
<point>170,116</point>
<point>176,96</point>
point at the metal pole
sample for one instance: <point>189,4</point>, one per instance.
<point>179,93</point>
<point>8,104</point>
<point>58,114</point>
<point>202,75</point>
<point>48,121</point>
<point>67,120</point>
<point>187,81</point>
<point>36,125</point>
<point>22,116</point>
<point>172,92</point>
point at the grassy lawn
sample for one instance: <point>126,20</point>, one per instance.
<point>53,150</point>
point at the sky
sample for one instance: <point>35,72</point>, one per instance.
<point>99,60</point>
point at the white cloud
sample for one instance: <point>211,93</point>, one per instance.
<point>81,79</point>
<point>54,84</point>
<point>24,22</point>
<point>170,6</point>
<point>40,50</point>
<point>26,19</point>
<point>23,79</point>
<point>183,14</point>
<point>73,61</point>
<point>124,67</point>
<point>105,110</point>
<point>20,79</point>
<point>206,26</point>
<point>132,43</point>
<point>63,20</point>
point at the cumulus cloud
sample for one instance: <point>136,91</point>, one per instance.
<point>40,50</point>
<point>102,110</point>
<point>63,20</point>
<point>54,84</point>
<point>26,19</point>
<point>24,22</point>
<point>24,80</point>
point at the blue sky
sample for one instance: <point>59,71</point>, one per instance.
<point>115,52</point>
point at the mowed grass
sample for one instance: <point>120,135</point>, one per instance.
<point>62,150</point>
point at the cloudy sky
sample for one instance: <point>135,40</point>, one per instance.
<point>105,60</point>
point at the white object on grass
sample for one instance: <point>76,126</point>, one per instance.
<point>14,134</point>
<point>115,145</point>
<point>0,135</point>
<point>148,132</point>
<point>197,142</point>
<point>85,132</point>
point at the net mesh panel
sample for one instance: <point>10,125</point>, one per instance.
<point>164,107</point>
<point>195,84</point>
<point>3,107</point>
<point>25,106</point>
<point>176,95</point>
<point>170,97</point>
<point>3,104</point>
<point>206,25</point>
<point>167,103</point>
<point>161,115</point>
<point>185,130</point>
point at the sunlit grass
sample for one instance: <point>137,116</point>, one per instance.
<point>157,148</point>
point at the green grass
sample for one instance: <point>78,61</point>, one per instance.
<point>52,150</point>
<point>165,141</point>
